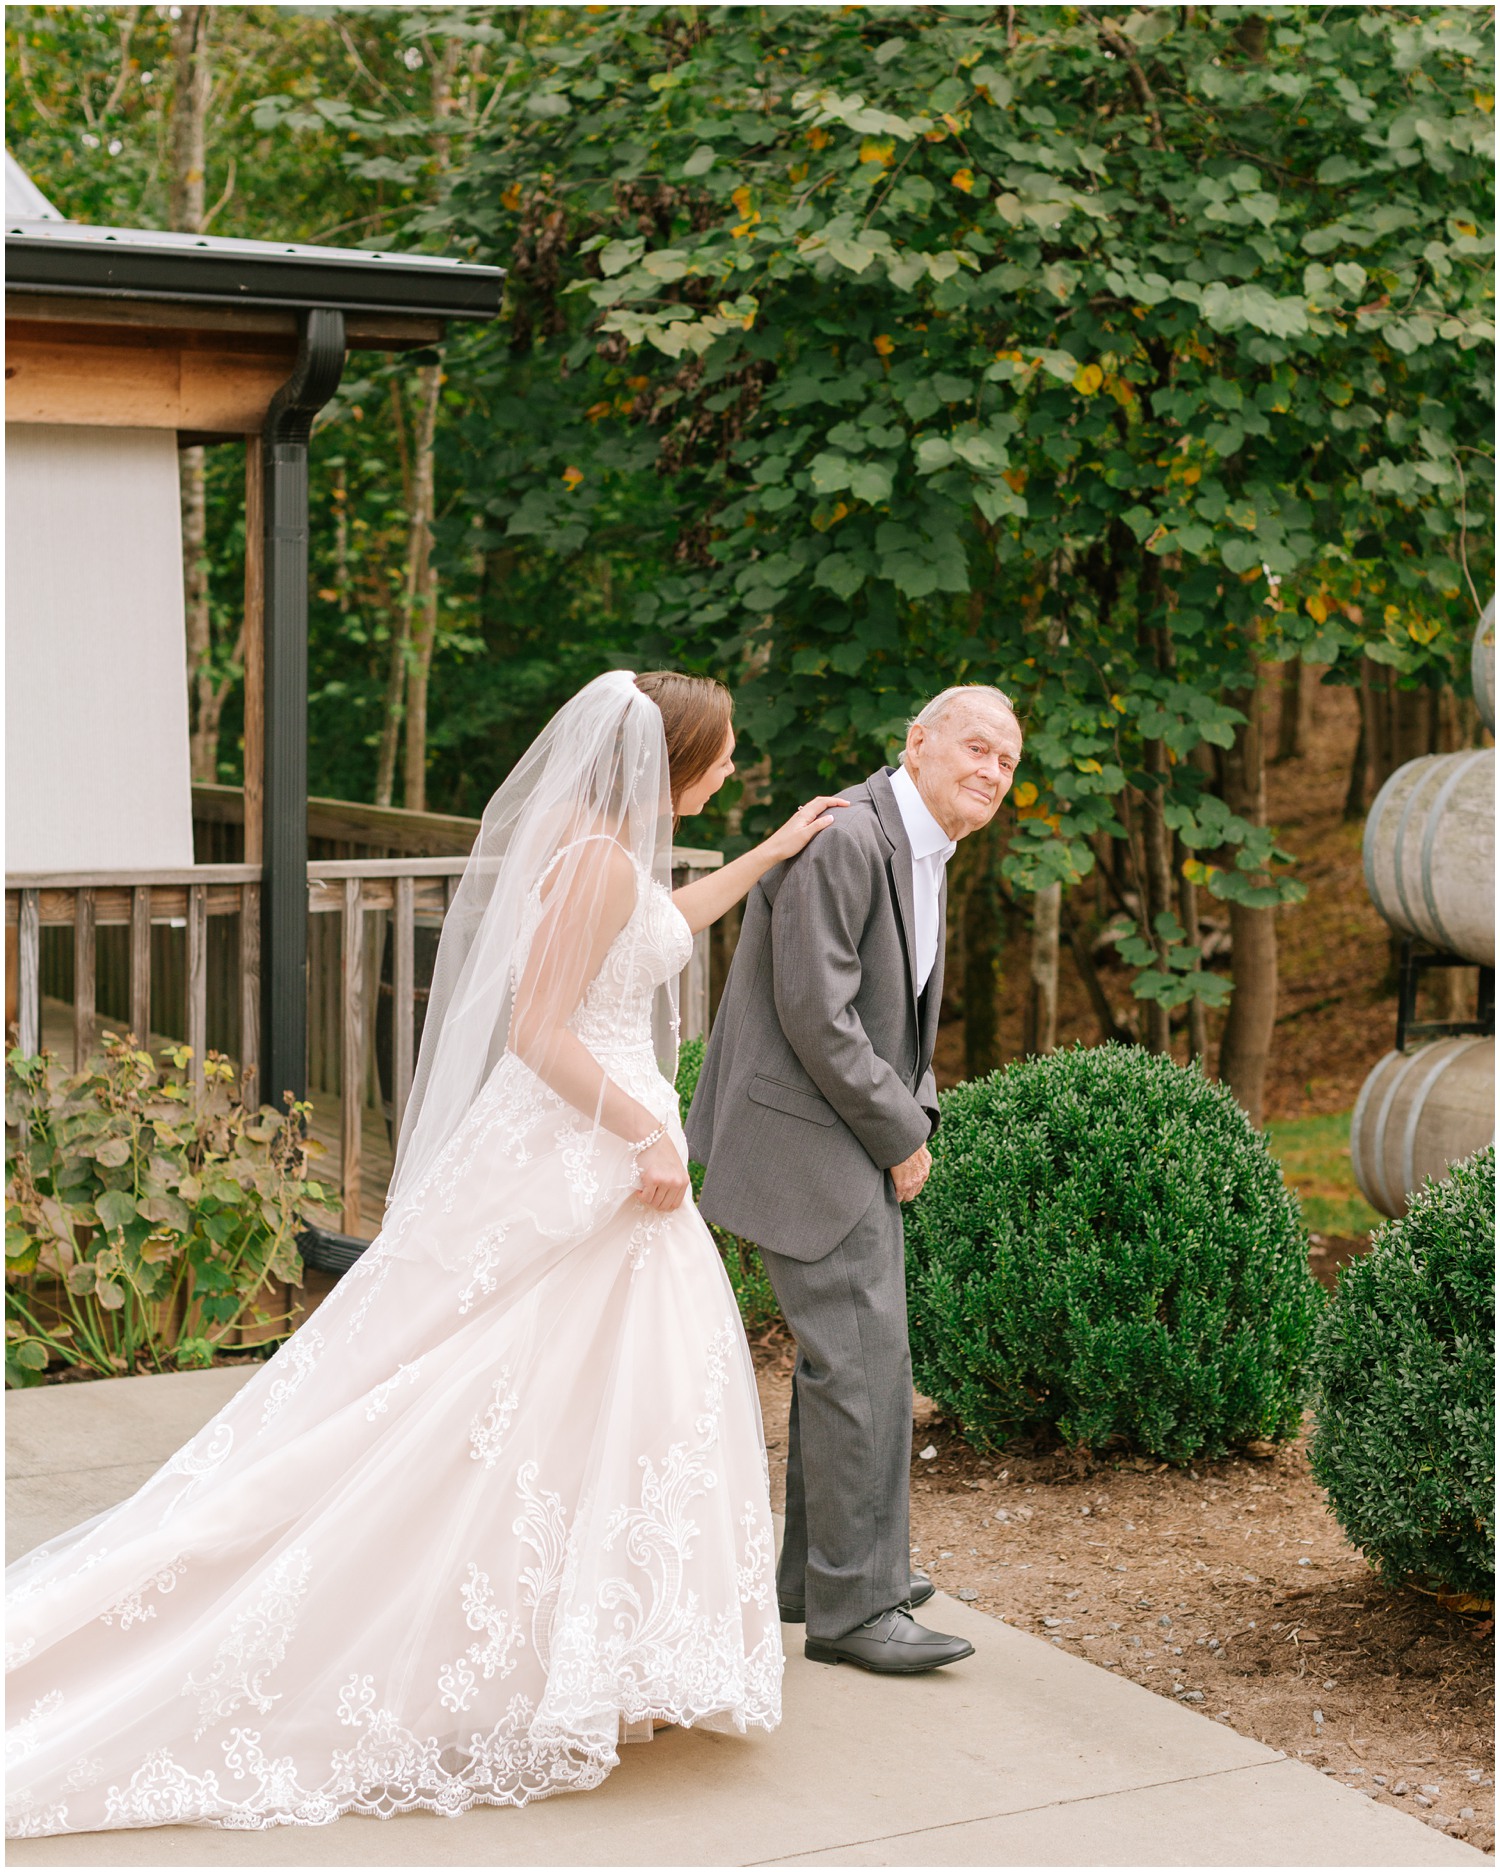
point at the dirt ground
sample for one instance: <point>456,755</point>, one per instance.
<point>1227,1586</point>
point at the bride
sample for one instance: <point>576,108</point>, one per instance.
<point>501,1502</point>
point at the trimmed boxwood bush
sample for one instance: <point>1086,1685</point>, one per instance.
<point>1106,1246</point>
<point>1404,1390</point>
<point>747,1277</point>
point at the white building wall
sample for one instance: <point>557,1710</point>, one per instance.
<point>96,722</point>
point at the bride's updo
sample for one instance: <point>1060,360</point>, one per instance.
<point>696,712</point>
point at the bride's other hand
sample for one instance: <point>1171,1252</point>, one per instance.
<point>803,826</point>
<point>664,1177</point>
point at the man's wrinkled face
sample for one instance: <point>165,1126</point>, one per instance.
<point>964,763</point>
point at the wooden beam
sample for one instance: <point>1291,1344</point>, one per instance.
<point>351,1075</point>
<point>140,964</point>
<point>250,992</point>
<point>29,971</point>
<point>197,982</point>
<point>83,979</point>
<point>131,387</point>
<point>253,797</point>
<point>403,998</point>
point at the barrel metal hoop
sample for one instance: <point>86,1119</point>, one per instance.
<point>1409,1141</point>
<point>1394,1205</point>
<point>1434,819</point>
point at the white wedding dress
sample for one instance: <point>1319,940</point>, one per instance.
<point>500,1501</point>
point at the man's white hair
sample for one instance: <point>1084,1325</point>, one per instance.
<point>938,707</point>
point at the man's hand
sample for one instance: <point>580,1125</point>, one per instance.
<point>909,1177</point>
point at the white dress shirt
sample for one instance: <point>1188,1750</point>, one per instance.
<point>931,848</point>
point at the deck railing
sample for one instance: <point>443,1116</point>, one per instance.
<point>372,932</point>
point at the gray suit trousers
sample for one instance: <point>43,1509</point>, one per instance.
<point>848,1528</point>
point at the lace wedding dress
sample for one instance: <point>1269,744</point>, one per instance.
<point>501,1501</point>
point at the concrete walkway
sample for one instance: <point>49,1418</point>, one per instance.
<point>1021,1755</point>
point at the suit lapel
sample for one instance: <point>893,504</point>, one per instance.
<point>932,995</point>
<point>889,815</point>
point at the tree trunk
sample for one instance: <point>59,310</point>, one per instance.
<point>1187,915</point>
<point>983,933</point>
<point>1356,797</point>
<point>421,589</point>
<point>1245,1050</point>
<point>1400,724</point>
<point>1041,997</point>
<point>1157,853</point>
<point>192,83</point>
<point>1296,711</point>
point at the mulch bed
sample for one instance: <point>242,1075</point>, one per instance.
<point>1227,1586</point>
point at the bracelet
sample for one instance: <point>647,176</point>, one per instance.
<point>646,1142</point>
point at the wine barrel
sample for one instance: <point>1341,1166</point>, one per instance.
<point>1420,1112</point>
<point>1482,666</point>
<point>1430,852</point>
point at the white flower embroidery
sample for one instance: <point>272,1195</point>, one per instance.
<point>493,1653</point>
<point>292,1365</point>
<point>380,1397</point>
<point>161,1792</point>
<point>487,1431</point>
<point>254,1645</point>
<point>131,1609</point>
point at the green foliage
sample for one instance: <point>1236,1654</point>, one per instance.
<point>142,1225</point>
<point>1404,1389</point>
<point>757,1303</point>
<point>1105,1245</point>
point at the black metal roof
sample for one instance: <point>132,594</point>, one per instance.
<point>140,263</point>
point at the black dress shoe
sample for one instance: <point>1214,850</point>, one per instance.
<point>921,1591</point>
<point>892,1643</point>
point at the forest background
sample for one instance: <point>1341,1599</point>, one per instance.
<point>1139,361</point>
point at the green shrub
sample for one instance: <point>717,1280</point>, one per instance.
<point>757,1303</point>
<point>1105,1245</point>
<point>143,1225</point>
<point>1404,1390</point>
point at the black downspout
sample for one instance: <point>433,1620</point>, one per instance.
<point>285,437</point>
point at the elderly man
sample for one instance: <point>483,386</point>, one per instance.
<point>812,1116</point>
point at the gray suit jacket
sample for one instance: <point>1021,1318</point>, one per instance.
<point>818,1073</point>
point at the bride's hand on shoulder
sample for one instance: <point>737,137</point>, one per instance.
<point>664,1177</point>
<point>804,825</point>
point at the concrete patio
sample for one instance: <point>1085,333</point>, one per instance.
<point>1021,1755</point>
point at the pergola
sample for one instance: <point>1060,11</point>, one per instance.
<point>218,340</point>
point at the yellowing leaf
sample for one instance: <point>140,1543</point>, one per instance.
<point>1087,379</point>
<point>877,150</point>
<point>1192,475</point>
<point>964,179</point>
<point>1466,227</point>
<point>1016,478</point>
<point>741,199</point>
<point>1088,766</point>
<point>511,197</point>
<point>797,172</point>
<point>329,597</point>
<point>1025,795</point>
<point>819,138</point>
<point>1317,608</point>
<point>1485,101</point>
<point>884,344</point>
<point>571,478</point>
<point>1117,703</point>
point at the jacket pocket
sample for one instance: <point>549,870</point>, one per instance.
<point>791,1099</point>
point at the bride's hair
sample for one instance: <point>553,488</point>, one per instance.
<point>696,712</point>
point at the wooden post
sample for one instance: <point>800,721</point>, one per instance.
<point>197,981</point>
<point>83,979</point>
<point>255,654</point>
<point>403,997</point>
<point>29,972</point>
<point>250,993</point>
<point>140,964</point>
<point>351,1077</point>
